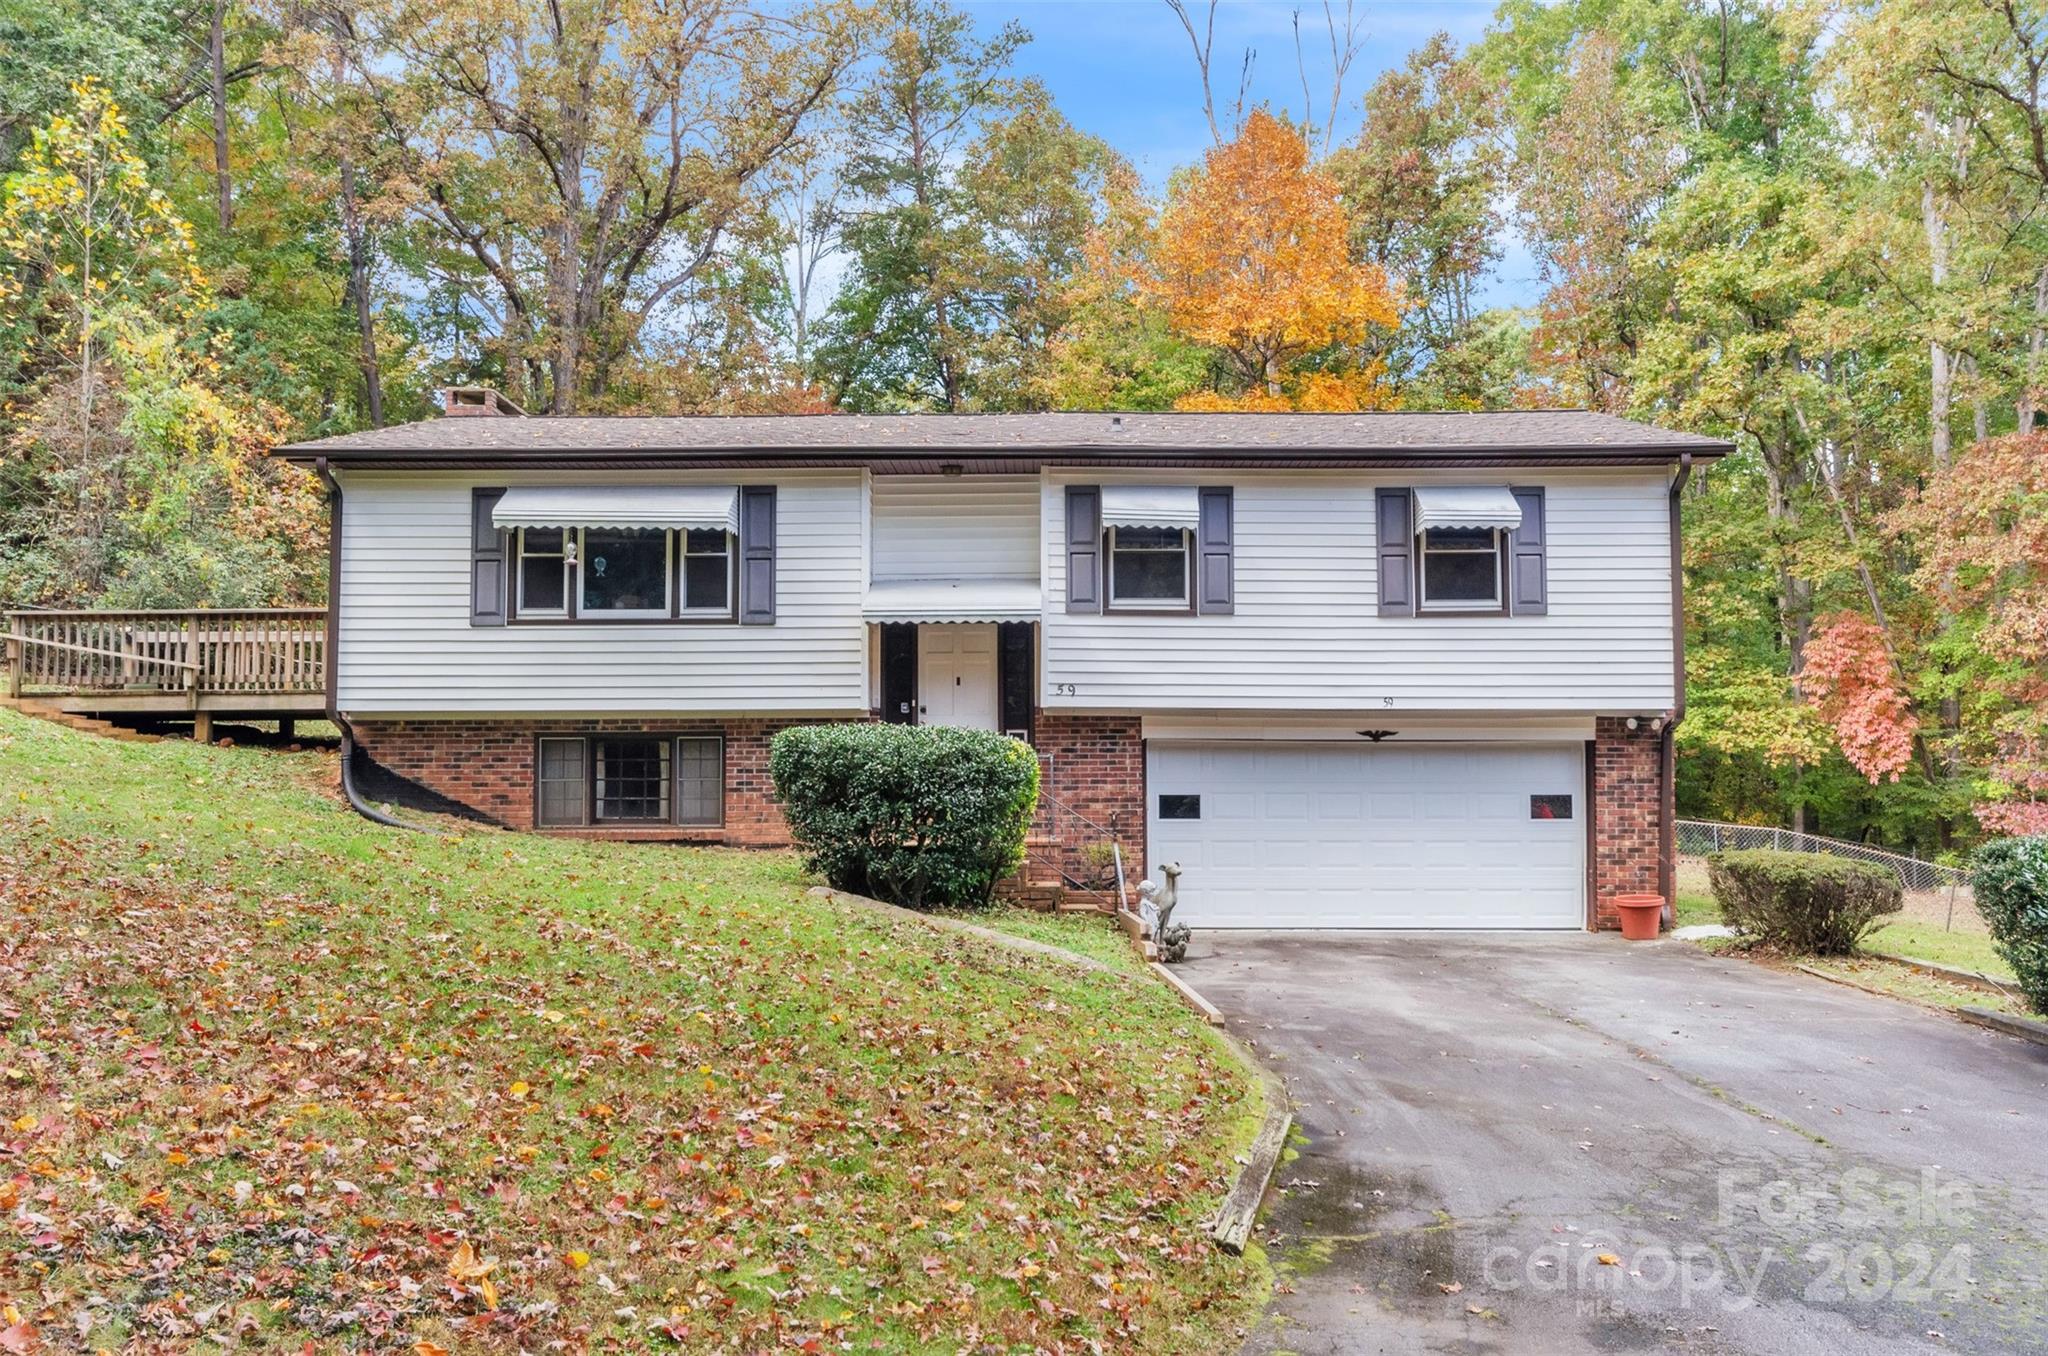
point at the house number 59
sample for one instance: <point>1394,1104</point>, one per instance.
<point>1065,690</point>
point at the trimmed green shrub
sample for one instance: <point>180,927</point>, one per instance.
<point>2010,878</point>
<point>920,815</point>
<point>1805,903</point>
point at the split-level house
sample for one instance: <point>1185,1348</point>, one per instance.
<point>1377,670</point>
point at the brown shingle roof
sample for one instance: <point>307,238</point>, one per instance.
<point>1012,439</point>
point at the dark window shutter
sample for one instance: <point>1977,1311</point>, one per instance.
<point>757,555</point>
<point>1084,548</point>
<point>1528,590</point>
<point>899,673</point>
<point>1397,553</point>
<point>488,576</point>
<point>1215,595</point>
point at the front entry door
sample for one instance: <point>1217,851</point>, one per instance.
<point>956,676</point>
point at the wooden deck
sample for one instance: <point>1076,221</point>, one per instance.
<point>170,665</point>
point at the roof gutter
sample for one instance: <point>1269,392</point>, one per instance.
<point>1668,750</point>
<point>1025,458</point>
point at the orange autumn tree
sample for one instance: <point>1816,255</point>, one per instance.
<point>1251,258</point>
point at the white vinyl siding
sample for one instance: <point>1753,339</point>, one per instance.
<point>955,527</point>
<point>1306,634</point>
<point>407,645</point>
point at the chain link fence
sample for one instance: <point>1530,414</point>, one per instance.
<point>1934,893</point>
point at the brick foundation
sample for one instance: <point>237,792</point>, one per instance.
<point>1095,767</point>
<point>1628,815</point>
<point>488,765</point>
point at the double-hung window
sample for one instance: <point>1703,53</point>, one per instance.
<point>1149,568</point>
<point>1461,568</point>
<point>1148,544</point>
<point>707,572</point>
<point>1461,539</point>
<point>628,780</point>
<point>545,557</point>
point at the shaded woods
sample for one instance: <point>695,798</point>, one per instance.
<point>1813,228</point>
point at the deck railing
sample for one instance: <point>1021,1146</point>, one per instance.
<point>193,652</point>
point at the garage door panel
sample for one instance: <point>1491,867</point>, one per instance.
<point>1339,835</point>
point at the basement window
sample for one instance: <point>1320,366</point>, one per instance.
<point>630,780</point>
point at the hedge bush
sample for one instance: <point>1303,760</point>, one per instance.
<point>1805,903</point>
<point>2010,878</point>
<point>920,815</point>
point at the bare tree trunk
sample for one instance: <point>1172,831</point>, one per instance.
<point>1795,595</point>
<point>217,60</point>
<point>359,294</point>
<point>1941,377</point>
<point>2030,396</point>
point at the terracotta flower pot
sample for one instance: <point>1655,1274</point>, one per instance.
<point>1640,916</point>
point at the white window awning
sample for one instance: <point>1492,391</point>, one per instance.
<point>952,600</point>
<point>1151,506</point>
<point>1466,506</point>
<point>666,506</point>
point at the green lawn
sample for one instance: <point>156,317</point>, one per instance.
<point>273,1074</point>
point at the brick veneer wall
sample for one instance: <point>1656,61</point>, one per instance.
<point>488,765</point>
<point>1096,768</point>
<point>1628,814</point>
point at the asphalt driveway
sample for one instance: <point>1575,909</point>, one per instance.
<point>1530,1143</point>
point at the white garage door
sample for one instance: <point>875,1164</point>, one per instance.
<point>1273,835</point>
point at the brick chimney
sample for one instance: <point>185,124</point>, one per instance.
<point>474,401</point>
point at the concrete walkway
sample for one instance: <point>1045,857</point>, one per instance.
<point>1537,1143</point>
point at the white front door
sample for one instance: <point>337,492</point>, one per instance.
<point>1277,835</point>
<point>956,675</point>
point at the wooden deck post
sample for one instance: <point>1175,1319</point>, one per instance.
<point>15,655</point>
<point>202,726</point>
<point>286,727</point>
<point>193,674</point>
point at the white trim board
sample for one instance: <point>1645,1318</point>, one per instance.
<point>1407,729</point>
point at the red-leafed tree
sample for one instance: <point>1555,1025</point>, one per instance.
<point>1850,680</point>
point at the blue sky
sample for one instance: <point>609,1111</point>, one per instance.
<point>1123,70</point>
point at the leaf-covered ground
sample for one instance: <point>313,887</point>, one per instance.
<point>271,1075</point>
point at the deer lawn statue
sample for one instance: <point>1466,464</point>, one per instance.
<point>1173,937</point>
